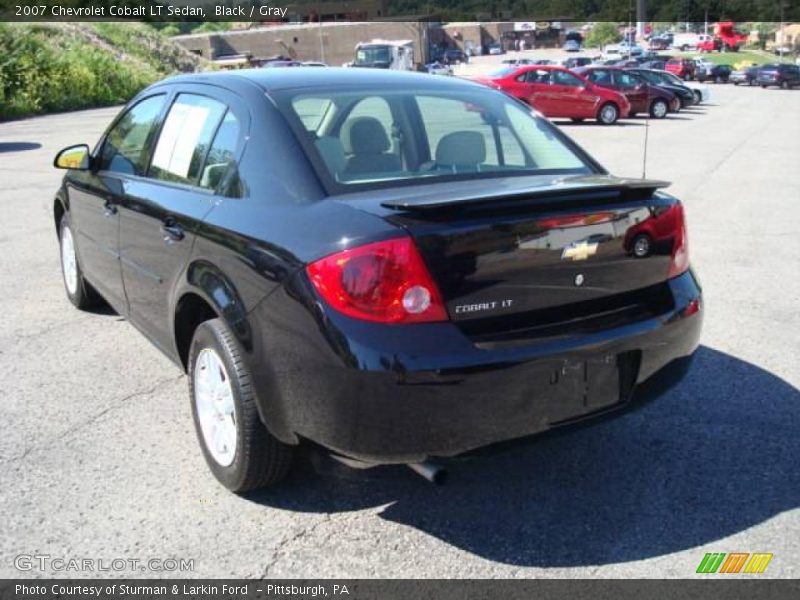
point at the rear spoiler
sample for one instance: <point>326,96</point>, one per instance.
<point>588,188</point>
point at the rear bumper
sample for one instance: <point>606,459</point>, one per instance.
<point>401,394</point>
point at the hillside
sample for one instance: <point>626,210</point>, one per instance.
<point>54,67</point>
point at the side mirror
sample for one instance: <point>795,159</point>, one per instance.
<point>74,157</point>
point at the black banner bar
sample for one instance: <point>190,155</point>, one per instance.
<point>280,11</point>
<point>399,589</point>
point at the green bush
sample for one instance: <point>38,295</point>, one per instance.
<point>51,68</point>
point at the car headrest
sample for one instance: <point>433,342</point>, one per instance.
<point>461,148</point>
<point>365,135</point>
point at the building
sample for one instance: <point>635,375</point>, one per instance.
<point>330,42</point>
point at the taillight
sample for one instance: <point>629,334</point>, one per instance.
<point>679,260</point>
<point>386,282</point>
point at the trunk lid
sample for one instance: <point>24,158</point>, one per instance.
<point>514,253</point>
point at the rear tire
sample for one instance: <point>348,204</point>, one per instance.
<point>608,114</point>
<point>642,245</point>
<point>79,291</point>
<point>785,85</point>
<point>659,108</point>
<point>241,453</point>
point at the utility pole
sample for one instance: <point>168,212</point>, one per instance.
<point>641,17</point>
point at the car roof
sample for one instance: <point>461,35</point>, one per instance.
<point>284,79</point>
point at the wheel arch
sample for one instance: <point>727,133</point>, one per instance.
<point>207,293</point>
<point>60,208</point>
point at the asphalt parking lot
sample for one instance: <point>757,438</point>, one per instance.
<point>98,457</point>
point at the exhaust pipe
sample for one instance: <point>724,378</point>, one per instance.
<point>434,473</point>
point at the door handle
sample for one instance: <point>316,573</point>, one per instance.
<point>172,232</point>
<point>109,209</point>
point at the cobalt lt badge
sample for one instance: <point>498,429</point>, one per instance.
<point>579,279</point>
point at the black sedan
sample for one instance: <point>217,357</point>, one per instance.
<point>716,73</point>
<point>390,265</point>
<point>668,82</point>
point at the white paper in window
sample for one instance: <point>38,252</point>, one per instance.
<point>179,137</point>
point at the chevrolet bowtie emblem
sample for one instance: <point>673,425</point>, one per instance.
<point>578,251</point>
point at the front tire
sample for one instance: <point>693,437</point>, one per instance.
<point>608,114</point>
<point>659,108</point>
<point>79,291</point>
<point>239,450</point>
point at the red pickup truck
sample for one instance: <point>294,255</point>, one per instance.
<point>725,38</point>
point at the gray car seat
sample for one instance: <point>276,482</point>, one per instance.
<point>365,139</point>
<point>461,151</point>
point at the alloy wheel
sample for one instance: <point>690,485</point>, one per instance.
<point>216,410</point>
<point>69,262</point>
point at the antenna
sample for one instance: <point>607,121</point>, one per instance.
<point>646,137</point>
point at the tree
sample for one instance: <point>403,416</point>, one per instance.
<point>603,33</point>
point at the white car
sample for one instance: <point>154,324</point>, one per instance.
<point>437,68</point>
<point>631,48</point>
<point>702,66</point>
<point>701,91</point>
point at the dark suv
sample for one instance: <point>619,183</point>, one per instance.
<point>329,259</point>
<point>779,74</point>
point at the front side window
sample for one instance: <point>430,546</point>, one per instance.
<point>626,79</point>
<point>564,78</point>
<point>126,147</point>
<point>600,77</point>
<point>186,138</point>
<point>411,135</point>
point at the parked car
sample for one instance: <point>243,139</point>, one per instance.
<point>747,75</point>
<point>572,46</point>
<point>437,68</point>
<point>715,73</point>
<point>685,95</point>
<point>681,67</point>
<point>556,92</point>
<point>701,91</point>
<point>519,61</point>
<point>387,302</point>
<point>643,96</point>
<point>629,48</point>
<point>654,64</point>
<point>659,44</point>
<point>577,61</point>
<point>780,74</point>
<point>274,64</point>
<point>454,56</point>
<point>495,48</point>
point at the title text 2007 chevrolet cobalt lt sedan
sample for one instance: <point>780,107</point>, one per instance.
<point>391,265</point>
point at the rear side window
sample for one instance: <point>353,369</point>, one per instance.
<point>186,138</point>
<point>126,147</point>
<point>220,172</point>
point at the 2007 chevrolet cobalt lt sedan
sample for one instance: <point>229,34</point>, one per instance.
<point>393,266</point>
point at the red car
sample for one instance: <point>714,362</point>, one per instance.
<point>682,67</point>
<point>656,234</point>
<point>557,92</point>
<point>643,96</point>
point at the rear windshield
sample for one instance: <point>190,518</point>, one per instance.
<point>377,137</point>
